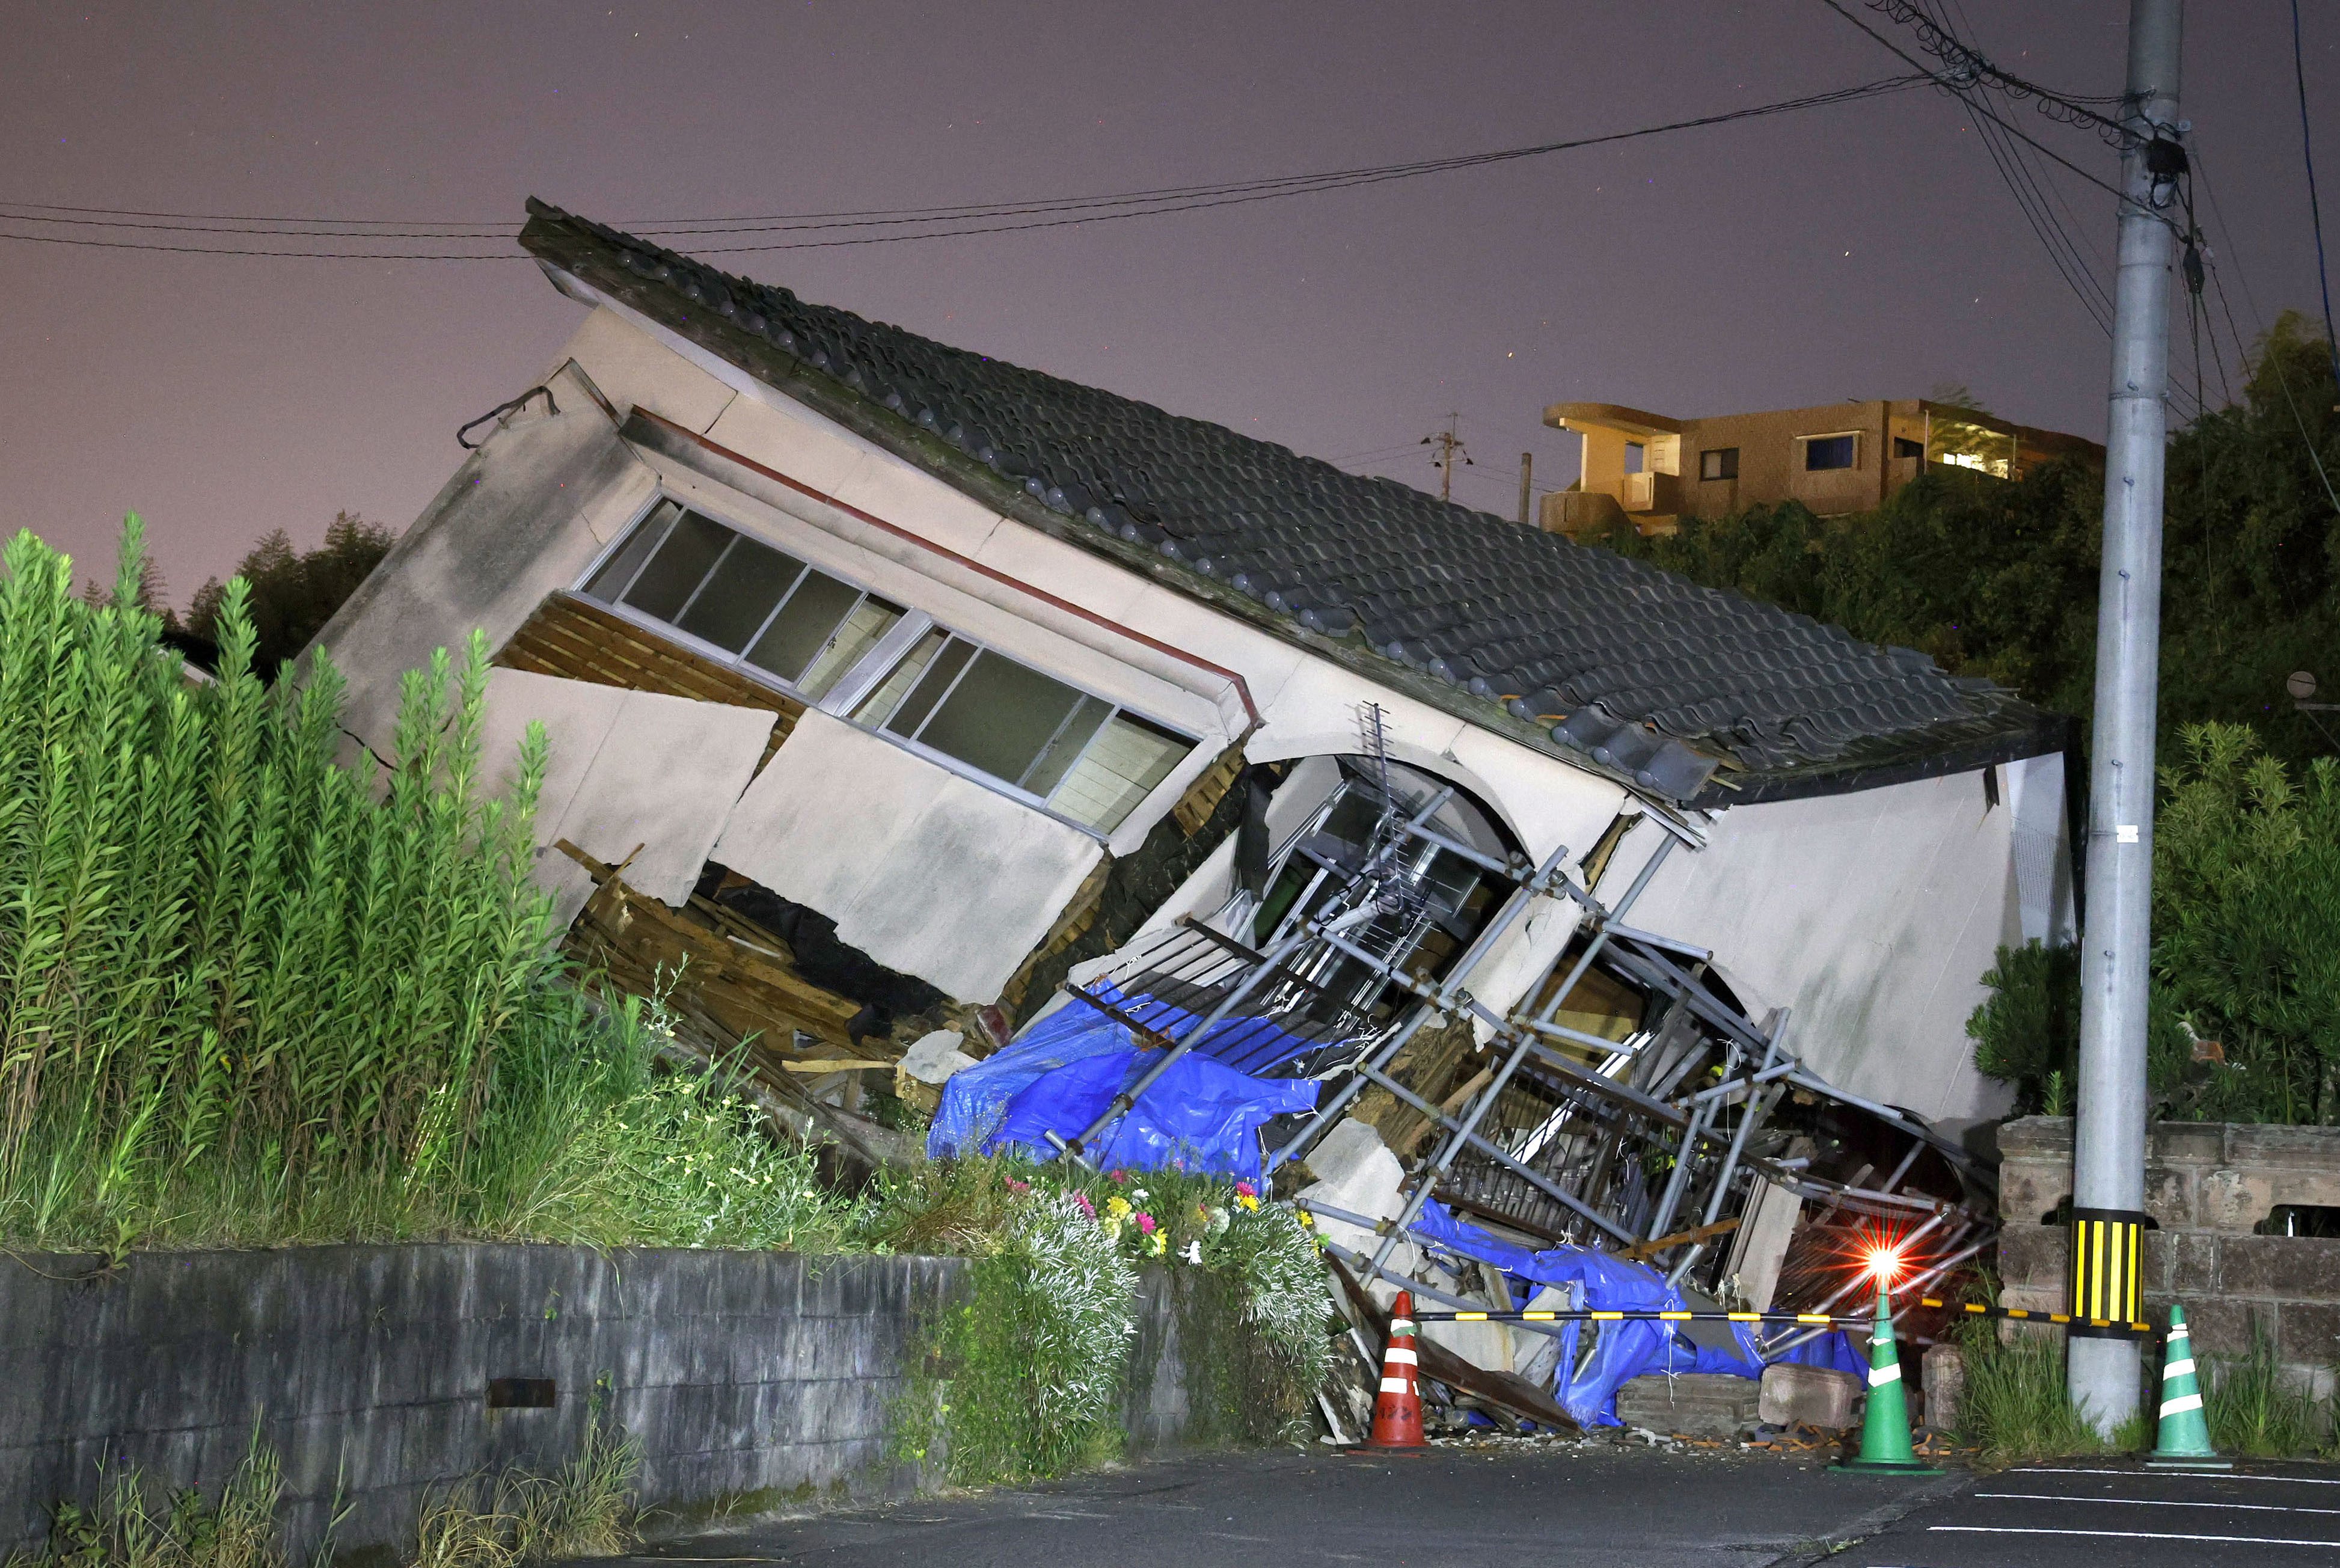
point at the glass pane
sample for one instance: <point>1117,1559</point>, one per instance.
<point>871,620</point>
<point>1065,748</point>
<point>666,583</point>
<point>1120,769</point>
<point>941,671</point>
<point>1830,452</point>
<point>742,591</point>
<point>878,706</point>
<point>620,569</point>
<point>1000,717</point>
<point>804,625</point>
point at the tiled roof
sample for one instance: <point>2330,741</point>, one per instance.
<point>1649,674</point>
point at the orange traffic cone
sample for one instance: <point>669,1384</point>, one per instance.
<point>1397,1409</point>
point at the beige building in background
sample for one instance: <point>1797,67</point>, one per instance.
<point>1651,471</point>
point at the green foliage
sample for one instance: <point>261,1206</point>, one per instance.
<point>2253,1413</point>
<point>1998,578</point>
<point>1035,1360</point>
<point>1034,1365</point>
<point>2246,925</point>
<point>2027,1032</point>
<point>126,1530</point>
<point>248,996</point>
<point>2014,1407</point>
<point>293,593</point>
<point>2246,956</point>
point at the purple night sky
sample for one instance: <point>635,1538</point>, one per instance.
<point>1860,251</point>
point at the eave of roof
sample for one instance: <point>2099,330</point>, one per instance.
<point>1996,726</point>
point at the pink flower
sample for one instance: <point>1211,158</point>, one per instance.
<point>1019,1186</point>
<point>1245,1189</point>
<point>1087,1207</point>
<point>1145,1224</point>
<point>1121,1176</point>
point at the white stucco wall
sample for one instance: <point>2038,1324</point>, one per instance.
<point>922,870</point>
<point>1873,915</point>
<point>627,773</point>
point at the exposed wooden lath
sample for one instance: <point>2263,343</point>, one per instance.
<point>729,978</point>
<point>578,639</point>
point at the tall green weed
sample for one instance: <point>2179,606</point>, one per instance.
<point>251,995</point>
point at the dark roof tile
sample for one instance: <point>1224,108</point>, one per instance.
<point>1641,660</point>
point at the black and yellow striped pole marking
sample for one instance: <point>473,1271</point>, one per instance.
<point>2102,1327</point>
<point>2108,1273</point>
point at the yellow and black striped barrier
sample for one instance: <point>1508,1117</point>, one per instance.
<point>1589,1315</point>
<point>2107,1327</point>
<point>1806,1319</point>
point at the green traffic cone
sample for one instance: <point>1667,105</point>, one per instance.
<point>1885,1428</point>
<point>2185,1440</point>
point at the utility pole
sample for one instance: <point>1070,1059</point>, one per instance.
<point>2108,1123</point>
<point>1448,443</point>
<point>1527,477</point>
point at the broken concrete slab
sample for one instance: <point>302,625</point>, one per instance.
<point>1690,1403</point>
<point>1815,1395</point>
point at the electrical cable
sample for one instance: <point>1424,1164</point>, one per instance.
<point>1948,85</point>
<point>2315,209</point>
<point>2200,171</point>
<point>1962,57</point>
<point>1084,210</point>
<point>2063,251</point>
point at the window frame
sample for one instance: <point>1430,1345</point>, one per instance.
<point>1720,453</point>
<point>910,743</point>
<point>869,672</point>
<point>1805,442</point>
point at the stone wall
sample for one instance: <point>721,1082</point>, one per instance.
<point>751,1380</point>
<point>2208,1187</point>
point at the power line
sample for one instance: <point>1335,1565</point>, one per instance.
<point>1999,138</point>
<point>2201,174</point>
<point>1071,212</point>
<point>1971,65</point>
<point>2315,210</point>
<point>1950,86</point>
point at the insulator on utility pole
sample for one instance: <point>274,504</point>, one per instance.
<point>1527,477</point>
<point>1448,443</point>
<point>2109,1121</point>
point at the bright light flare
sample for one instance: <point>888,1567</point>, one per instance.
<point>1884,1253</point>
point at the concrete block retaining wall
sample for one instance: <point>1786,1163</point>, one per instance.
<point>2208,1187</point>
<point>765,1378</point>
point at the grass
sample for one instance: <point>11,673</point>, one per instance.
<point>2253,1413</point>
<point>127,1529</point>
<point>513,1521</point>
<point>2015,1407</point>
<point>249,996</point>
<point>516,1520</point>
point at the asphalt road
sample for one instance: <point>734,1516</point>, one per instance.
<point>2104,1516</point>
<point>1489,1505</point>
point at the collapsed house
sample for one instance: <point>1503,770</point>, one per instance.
<point>896,690</point>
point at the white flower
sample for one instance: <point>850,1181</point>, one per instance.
<point>1194,1253</point>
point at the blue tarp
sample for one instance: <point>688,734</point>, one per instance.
<point>1624,1350</point>
<point>1063,1072</point>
